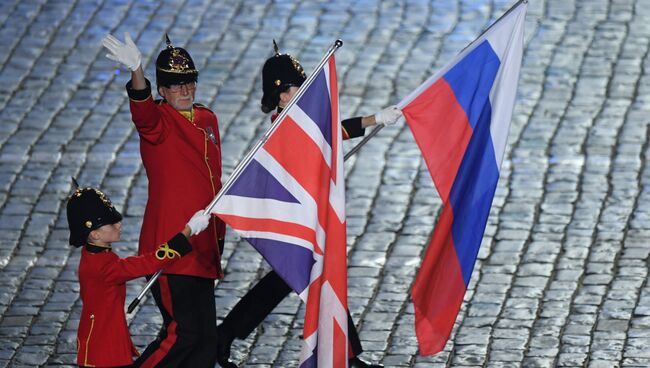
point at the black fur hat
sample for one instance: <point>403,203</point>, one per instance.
<point>280,72</point>
<point>174,65</point>
<point>89,209</point>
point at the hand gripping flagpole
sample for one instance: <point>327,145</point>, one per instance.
<point>242,164</point>
<point>363,141</point>
<point>400,105</point>
<point>249,156</point>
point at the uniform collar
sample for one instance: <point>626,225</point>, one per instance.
<point>94,248</point>
<point>276,114</point>
<point>189,115</point>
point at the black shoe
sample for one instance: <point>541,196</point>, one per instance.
<point>356,362</point>
<point>224,340</point>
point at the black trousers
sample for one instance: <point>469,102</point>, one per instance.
<point>189,332</point>
<point>258,303</point>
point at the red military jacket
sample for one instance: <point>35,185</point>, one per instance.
<point>103,338</point>
<point>183,163</point>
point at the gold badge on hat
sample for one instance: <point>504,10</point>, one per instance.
<point>102,197</point>
<point>89,224</point>
<point>297,66</point>
<point>294,62</point>
<point>178,62</point>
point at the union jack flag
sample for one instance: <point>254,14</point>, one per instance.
<point>289,203</point>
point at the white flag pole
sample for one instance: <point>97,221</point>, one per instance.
<point>242,164</point>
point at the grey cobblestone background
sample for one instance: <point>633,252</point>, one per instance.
<point>562,273</point>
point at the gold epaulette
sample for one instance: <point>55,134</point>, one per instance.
<point>201,106</point>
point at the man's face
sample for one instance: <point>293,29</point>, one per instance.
<point>179,96</point>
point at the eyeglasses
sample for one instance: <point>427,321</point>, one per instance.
<point>177,87</point>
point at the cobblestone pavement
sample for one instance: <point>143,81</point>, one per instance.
<point>562,273</point>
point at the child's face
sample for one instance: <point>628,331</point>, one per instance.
<point>106,234</point>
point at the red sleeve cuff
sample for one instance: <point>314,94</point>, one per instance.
<point>353,128</point>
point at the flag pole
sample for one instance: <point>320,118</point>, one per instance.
<point>496,21</point>
<point>380,127</point>
<point>240,167</point>
<point>363,141</point>
<point>406,100</point>
<point>249,156</point>
<point>148,286</point>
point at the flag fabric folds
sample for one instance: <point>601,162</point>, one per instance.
<point>460,119</point>
<point>289,203</point>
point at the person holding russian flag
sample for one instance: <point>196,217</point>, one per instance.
<point>282,76</point>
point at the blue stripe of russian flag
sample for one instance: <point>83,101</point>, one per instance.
<point>472,192</point>
<point>457,118</point>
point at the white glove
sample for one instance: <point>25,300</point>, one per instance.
<point>388,116</point>
<point>126,53</point>
<point>198,222</point>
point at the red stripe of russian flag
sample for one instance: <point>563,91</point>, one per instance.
<point>452,121</point>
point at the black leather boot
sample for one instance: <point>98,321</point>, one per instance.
<point>224,340</point>
<point>356,362</point>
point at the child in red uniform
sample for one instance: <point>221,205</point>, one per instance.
<point>103,338</point>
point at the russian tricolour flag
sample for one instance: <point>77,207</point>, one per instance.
<point>460,119</point>
<point>289,203</point>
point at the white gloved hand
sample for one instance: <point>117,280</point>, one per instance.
<point>388,116</point>
<point>126,53</point>
<point>198,222</point>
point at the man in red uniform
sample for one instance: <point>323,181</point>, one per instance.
<point>282,75</point>
<point>103,338</point>
<point>181,152</point>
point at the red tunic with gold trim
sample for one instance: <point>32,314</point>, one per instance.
<point>183,163</point>
<point>103,338</point>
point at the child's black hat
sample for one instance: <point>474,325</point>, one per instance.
<point>174,65</point>
<point>89,209</point>
<point>280,72</point>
